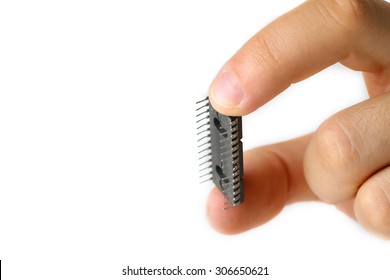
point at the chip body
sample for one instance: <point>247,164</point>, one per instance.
<point>220,151</point>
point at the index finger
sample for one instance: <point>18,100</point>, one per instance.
<point>299,44</point>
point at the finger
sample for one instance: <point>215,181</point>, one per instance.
<point>273,177</point>
<point>348,148</point>
<point>347,207</point>
<point>306,40</point>
<point>378,83</point>
<point>372,204</point>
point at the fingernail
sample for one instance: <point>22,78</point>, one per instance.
<point>227,90</point>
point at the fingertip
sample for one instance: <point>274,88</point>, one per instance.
<point>226,221</point>
<point>372,209</point>
<point>227,94</point>
<point>266,194</point>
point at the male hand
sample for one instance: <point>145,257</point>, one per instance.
<point>346,162</point>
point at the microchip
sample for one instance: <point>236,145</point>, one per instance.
<point>220,151</point>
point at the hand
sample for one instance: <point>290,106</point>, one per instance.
<point>346,162</point>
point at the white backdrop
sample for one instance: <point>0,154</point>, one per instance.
<point>98,165</point>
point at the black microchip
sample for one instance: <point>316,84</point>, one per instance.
<point>220,151</point>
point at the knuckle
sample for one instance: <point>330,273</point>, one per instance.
<point>350,14</point>
<point>336,146</point>
<point>356,8</point>
<point>266,49</point>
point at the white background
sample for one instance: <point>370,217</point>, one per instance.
<point>98,162</point>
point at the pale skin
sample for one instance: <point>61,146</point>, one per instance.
<point>346,161</point>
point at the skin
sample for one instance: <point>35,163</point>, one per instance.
<point>345,162</point>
